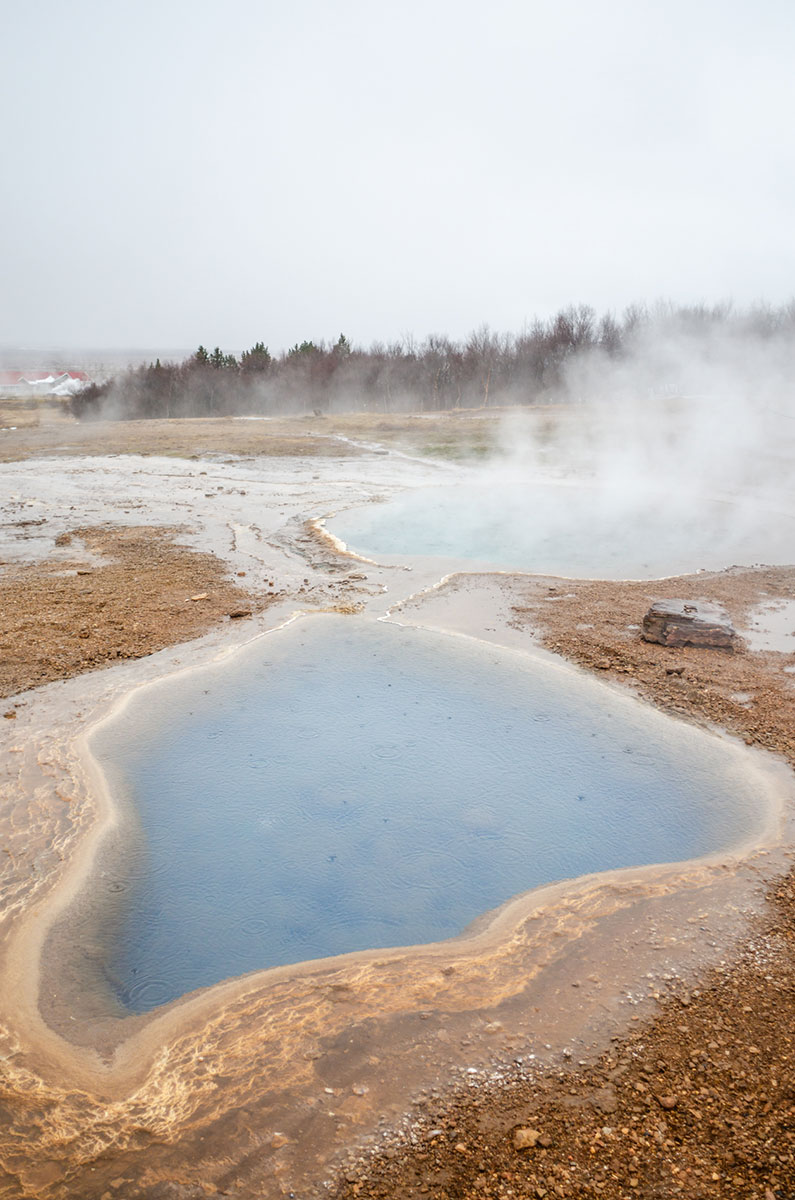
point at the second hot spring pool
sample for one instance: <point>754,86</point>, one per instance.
<point>344,785</point>
<point>599,532</point>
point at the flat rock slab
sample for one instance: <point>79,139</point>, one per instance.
<point>685,623</point>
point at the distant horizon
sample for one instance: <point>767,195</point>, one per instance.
<point>13,354</point>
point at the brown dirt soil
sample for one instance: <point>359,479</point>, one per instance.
<point>62,618</point>
<point>700,1101</point>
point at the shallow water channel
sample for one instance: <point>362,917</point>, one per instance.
<point>345,784</point>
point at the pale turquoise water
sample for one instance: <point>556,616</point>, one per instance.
<point>346,785</point>
<point>576,532</point>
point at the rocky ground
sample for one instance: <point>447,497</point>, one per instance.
<point>118,593</point>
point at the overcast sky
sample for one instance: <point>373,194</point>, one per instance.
<point>188,171</point>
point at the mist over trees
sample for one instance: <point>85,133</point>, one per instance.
<point>566,359</point>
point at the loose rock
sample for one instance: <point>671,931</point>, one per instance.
<point>526,1139</point>
<point>685,623</point>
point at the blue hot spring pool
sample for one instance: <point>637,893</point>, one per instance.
<point>345,784</point>
<point>579,532</point>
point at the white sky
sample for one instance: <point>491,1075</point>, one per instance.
<point>189,171</point>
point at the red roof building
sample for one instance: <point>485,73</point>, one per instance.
<point>56,382</point>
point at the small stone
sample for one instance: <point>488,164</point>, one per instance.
<point>460,1148</point>
<point>237,613</point>
<point>10,714</point>
<point>200,596</point>
<point>668,1102</point>
<point>525,1139</point>
<point>279,1139</point>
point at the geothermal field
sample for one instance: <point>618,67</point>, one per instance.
<point>357,843</point>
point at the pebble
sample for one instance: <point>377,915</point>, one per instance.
<point>526,1139</point>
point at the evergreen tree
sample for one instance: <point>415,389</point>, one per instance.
<point>220,361</point>
<point>304,348</point>
<point>257,360</point>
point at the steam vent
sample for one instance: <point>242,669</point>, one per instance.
<point>685,623</point>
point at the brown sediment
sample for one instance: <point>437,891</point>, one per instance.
<point>119,593</point>
<point>316,531</point>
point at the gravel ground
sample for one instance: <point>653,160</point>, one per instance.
<point>120,593</point>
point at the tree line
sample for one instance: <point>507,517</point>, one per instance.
<point>486,368</point>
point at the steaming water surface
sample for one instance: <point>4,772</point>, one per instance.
<point>348,785</point>
<point>609,532</point>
